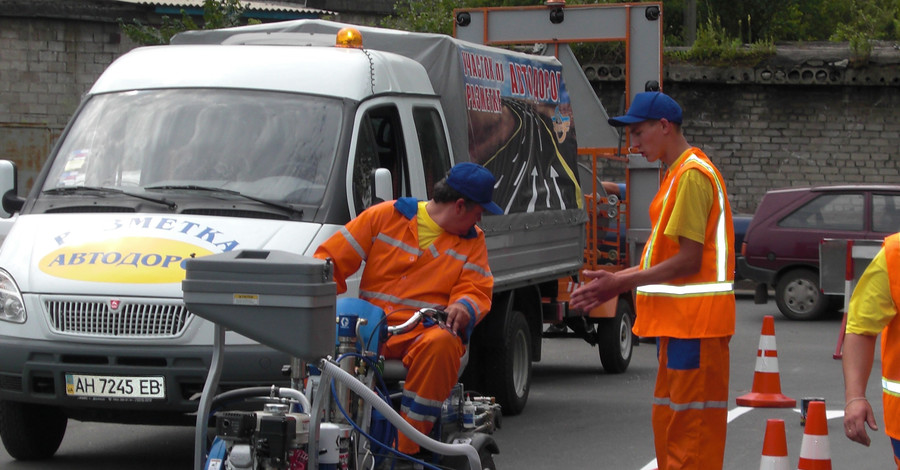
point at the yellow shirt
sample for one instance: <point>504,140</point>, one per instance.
<point>429,230</point>
<point>871,305</point>
<point>694,201</point>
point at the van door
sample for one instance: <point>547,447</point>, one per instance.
<point>392,134</point>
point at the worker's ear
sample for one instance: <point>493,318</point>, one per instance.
<point>460,206</point>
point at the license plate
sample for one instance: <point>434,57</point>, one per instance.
<point>115,387</point>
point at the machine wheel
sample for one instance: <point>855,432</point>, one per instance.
<point>615,339</point>
<point>487,460</point>
<point>31,432</point>
<point>508,376</point>
<point>798,296</point>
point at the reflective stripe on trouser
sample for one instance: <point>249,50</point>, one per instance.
<point>432,358</point>
<point>690,403</point>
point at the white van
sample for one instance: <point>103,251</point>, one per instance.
<point>186,150</point>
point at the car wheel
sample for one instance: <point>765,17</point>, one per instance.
<point>798,296</point>
<point>31,432</point>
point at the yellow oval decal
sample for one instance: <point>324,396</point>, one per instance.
<point>129,260</point>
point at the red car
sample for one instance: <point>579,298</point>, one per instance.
<point>781,246</point>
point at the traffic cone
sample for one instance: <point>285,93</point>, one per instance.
<point>814,451</point>
<point>766,390</point>
<point>774,451</point>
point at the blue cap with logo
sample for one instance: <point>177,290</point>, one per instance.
<point>476,183</point>
<point>649,105</point>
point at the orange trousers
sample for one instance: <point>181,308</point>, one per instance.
<point>690,403</point>
<point>432,358</point>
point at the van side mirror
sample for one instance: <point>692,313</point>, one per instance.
<point>384,185</point>
<point>12,203</point>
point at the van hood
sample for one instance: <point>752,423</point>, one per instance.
<point>136,254</point>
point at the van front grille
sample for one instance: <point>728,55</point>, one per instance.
<point>117,318</point>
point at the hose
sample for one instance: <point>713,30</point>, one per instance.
<point>265,392</point>
<point>407,429</point>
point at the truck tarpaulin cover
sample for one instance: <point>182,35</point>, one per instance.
<point>506,110</point>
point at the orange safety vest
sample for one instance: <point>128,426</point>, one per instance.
<point>890,344</point>
<point>399,276</point>
<point>700,305</point>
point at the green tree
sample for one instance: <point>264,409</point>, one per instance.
<point>216,14</point>
<point>869,20</point>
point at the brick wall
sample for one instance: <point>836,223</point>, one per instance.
<point>46,65</point>
<point>769,136</point>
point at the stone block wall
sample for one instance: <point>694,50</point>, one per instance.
<point>46,65</point>
<point>769,136</point>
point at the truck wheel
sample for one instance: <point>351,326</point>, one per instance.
<point>508,376</point>
<point>31,432</point>
<point>615,339</point>
<point>798,296</point>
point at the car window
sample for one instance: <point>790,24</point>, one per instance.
<point>828,212</point>
<point>885,213</point>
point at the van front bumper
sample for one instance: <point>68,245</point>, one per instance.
<point>35,372</point>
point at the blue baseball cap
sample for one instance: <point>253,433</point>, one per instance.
<point>476,183</point>
<point>649,105</point>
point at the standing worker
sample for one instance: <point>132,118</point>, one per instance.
<point>684,288</point>
<point>423,254</point>
<point>873,310</point>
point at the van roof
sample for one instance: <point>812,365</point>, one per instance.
<point>335,71</point>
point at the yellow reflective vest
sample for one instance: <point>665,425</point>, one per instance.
<point>700,305</point>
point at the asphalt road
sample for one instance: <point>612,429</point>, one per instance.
<point>577,416</point>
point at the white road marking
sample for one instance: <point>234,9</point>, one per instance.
<point>733,414</point>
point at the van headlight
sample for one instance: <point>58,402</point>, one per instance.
<point>12,307</point>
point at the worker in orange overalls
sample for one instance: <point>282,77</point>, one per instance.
<point>873,310</point>
<point>423,254</point>
<point>684,288</point>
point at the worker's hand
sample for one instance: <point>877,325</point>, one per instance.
<point>857,416</point>
<point>603,286</point>
<point>457,318</point>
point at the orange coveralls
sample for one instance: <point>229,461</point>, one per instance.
<point>693,317</point>
<point>400,277</point>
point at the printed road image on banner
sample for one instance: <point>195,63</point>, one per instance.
<point>521,128</point>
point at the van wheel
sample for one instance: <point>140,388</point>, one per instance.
<point>615,339</point>
<point>798,296</point>
<point>31,432</point>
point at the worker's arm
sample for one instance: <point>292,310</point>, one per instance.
<point>693,202</point>
<point>348,248</point>
<point>858,356</point>
<point>470,296</point>
<point>605,285</point>
<point>871,309</point>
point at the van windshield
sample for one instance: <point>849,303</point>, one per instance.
<point>274,146</point>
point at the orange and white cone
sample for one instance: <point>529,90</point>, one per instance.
<point>814,452</point>
<point>766,390</point>
<point>774,451</point>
